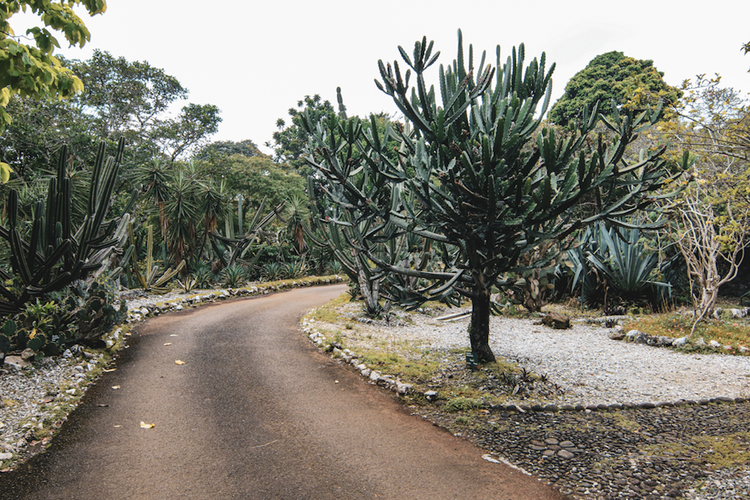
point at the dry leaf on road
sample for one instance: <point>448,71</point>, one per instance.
<point>144,425</point>
<point>179,362</point>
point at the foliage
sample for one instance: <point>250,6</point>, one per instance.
<point>189,130</point>
<point>255,178</point>
<point>633,84</point>
<point>149,279</point>
<point>289,141</point>
<point>82,313</point>
<point>478,175</point>
<point>233,276</point>
<point>711,220</point>
<point>32,70</point>
<point>56,252</point>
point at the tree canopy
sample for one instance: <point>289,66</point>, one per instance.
<point>33,70</point>
<point>633,84</point>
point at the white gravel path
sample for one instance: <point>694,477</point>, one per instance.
<point>592,368</point>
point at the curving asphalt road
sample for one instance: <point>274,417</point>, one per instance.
<point>255,412</point>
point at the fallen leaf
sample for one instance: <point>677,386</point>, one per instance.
<point>118,426</point>
<point>178,362</point>
<point>115,387</point>
<point>144,425</point>
<point>110,370</point>
<point>168,343</point>
<point>100,405</point>
<point>173,335</point>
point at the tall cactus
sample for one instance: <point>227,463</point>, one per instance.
<point>478,174</point>
<point>57,253</point>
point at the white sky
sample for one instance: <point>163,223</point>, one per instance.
<point>255,60</point>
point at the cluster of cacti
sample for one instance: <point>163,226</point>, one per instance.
<point>80,316</point>
<point>477,173</point>
<point>150,279</point>
<point>230,248</point>
<point>55,253</point>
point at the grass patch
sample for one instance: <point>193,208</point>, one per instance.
<point>734,331</point>
<point>328,313</point>
<point>416,370</point>
<point>715,452</point>
<point>462,403</point>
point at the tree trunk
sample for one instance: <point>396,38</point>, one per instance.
<point>479,328</point>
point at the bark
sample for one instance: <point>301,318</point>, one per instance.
<point>479,328</point>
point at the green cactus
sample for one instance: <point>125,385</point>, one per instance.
<point>477,173</point>
<point>150,281</point>
<point>57,253</point>
<point>231,248</point>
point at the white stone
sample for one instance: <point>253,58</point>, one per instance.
<point>6,456</point>
<point>431,395</point>
<point>374,376</point>
<point>680,342</point>
<point>366,372</point>
<point>144,311</point>
<point>714,344</point>
<point>178,307</point>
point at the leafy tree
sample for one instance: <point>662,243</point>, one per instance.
<point>189,130</point>
<point>711,220</point>
<point>478,178</point>
<point>255,178</point>
<point>32,70</point>
<point>31,142</point>
<point>633,84</point>
<point>222,149</point>
<point>289,141</point>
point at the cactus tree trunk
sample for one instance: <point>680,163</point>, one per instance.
<point>479,328</point>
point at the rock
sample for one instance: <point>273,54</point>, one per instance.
<point>682,341</point>
<point>366,372</point>
<point>404,388</point>
<point>557,321</point>
<point>739,313</point>
<point>6,456</point>
<point>700,342</point>
<point>618,335</point>
<point>16,361</point>
<point>565,454</point>
<point>374,376</point>
<point>637,337</point>
<point>717,313</point>
<point>431,395</point>
<point>742,349</point>
<point>144,311</point>
<point>665,341</point>
<point>28,354</point>
<point>714,344</point>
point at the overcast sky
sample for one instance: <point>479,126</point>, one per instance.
<point>255,60</point>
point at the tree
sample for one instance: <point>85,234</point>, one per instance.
<point>222,149</point>
<point>125,98</point>
<point>478,177</point>
<point>633,84</point>
<point>711,220</point>
<point>289,141</point>
<point>32,70</point>
<point>189,130</point>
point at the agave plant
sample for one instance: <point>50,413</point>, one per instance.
<point>271,271</point>
<point>233,276</point>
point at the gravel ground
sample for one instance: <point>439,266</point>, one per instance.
<point>648,422</point>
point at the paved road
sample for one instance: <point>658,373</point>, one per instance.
<point>254,413</point>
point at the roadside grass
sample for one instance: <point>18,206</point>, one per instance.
<point>733,332</point>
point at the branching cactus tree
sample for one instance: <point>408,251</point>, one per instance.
<point>478,174</point>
